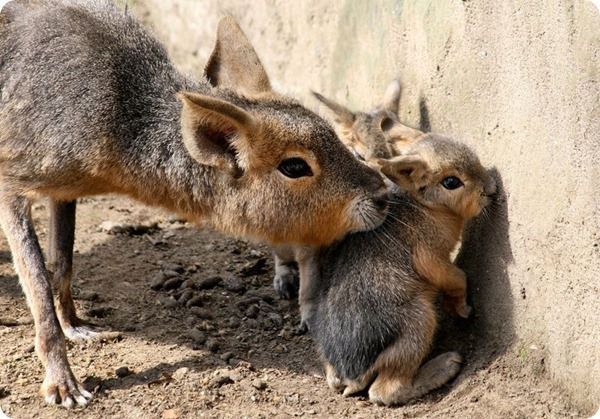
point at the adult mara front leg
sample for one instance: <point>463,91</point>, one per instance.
<point>60,385</point>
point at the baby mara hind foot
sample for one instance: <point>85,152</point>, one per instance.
<point>345,386</point>
<point>391,388</point>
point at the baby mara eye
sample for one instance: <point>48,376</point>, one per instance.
<point>294,168</point>
<point>451,182</point>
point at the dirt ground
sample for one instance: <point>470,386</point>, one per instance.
<point>202,334</point>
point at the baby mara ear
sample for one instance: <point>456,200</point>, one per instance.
<point>391,98</point>
<point>209,129</point>
<point>234,63</point>
<point>397,135</point>
<point>410,172</point>
<point>343,116</point>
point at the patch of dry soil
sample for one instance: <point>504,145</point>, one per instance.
<point>203,334</point>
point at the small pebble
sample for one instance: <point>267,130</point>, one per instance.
<point>169,235</point>
<point>168,302</point>
<point>186,296</point>
<point>123,372</point>
<point>275,319</point>
<point>206,326</point>
<point>202,313</point>
<point>175,219</point>
<point>180,373</point>
<point>158,282</point>
<point>170,273</point>
<point>111,227</point>
<point>169,266</point>
<point>212,345</point>
<point>188,283</point>
<point>246,302</point>
<point>194,302</point>
<point>220,380</point>
<point>265,295</point>
<point>197,336</point>
<point>252,312</point>
<point>227,356</point>
<point>172,283</point>
<point>234,284</point>
<point>259,384</point>
<point>207,283</point>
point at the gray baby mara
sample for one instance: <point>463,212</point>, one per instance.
<point>91,104</point>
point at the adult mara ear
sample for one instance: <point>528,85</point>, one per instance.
<point>410,172</point>
<point>342,115</point>
<point>391,97</point>
<point>209,127</point>
<point>234,63</point>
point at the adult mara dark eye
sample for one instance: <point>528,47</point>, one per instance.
<point>294,168</point>
<point>451,182</point>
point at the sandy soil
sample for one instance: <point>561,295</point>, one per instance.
<point>233,351</point>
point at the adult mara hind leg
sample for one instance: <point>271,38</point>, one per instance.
<point>60,385</point>
<point>61,237</point>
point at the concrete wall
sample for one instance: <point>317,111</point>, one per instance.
<point>517,80</point>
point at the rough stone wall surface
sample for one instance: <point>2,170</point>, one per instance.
<point>517,80</point>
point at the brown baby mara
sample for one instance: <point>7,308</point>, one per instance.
<point>90,104</point>
<point>373,306</point>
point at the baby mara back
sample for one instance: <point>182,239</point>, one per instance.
<point>375,318</point>
<point>366,278</point>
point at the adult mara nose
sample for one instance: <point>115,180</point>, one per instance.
<point>381,201</point>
